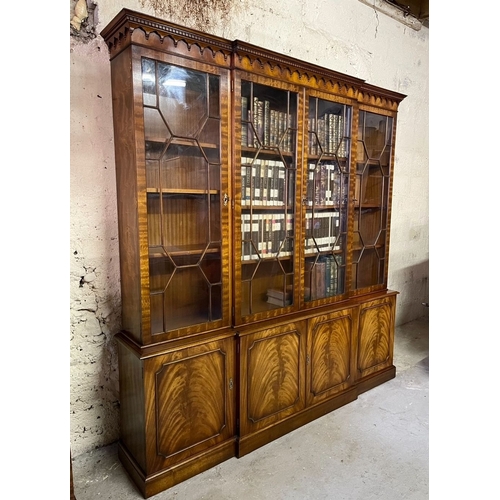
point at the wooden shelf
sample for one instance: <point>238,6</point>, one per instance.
<point>327,157</point>
<point>181,191</point>
<point>155,253</point>
<point>271,208</point>
<point>266,259</point>
<point>181,142</point>
<point>267,150</point>
<point>326,207</point>
<point>370,206</point>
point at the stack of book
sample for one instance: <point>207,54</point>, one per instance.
<point>280,297</point>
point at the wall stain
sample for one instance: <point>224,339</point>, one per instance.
<point>202,14</point>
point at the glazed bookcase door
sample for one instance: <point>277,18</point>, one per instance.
<point>266,178</point>
<point>182,109</point>
<point>326,198</point>
<point>371,200</point>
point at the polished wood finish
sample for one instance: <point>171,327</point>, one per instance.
<point>376,336</point>
<point>331,355</point>
<point>272,376</point>
<point>254,260</point>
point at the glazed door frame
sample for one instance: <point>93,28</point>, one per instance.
<point>223,194</point>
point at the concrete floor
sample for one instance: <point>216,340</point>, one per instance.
<point>376,447</point>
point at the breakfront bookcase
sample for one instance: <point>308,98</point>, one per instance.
<point>254,204</point>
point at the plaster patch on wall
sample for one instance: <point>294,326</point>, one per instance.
<point>87,30</point>
<point>94,392</point>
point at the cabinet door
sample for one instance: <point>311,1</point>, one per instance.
<point>190,399</point>
<point>372,200</point>
<point>326,198</point>
<point>185,112</point>
<point>330,355</point>
<point>272,382</point>
<point>376,336</point>
<point>265,179</point>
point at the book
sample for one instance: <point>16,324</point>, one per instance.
<point>279,293</point>
<point>254,224</point>
<point>266,123</point>
<point>310,184</point>
<point>342,151</point>
<point>290,133</point>
<point>258,116</point>
<point>244,121</point>
<point>243,182</point>
<point>320,278</point>
<point>289,234</point>
<point>246,246</point>
<point>339,258</point>
<point>279,302</point>
<point>250,130</point>
<point>264,182</point>
<point>281,185</point>
<point>257,192</point>
<point>291,187</point>
<point>273,134</point>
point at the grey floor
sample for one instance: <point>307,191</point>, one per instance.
<point>376,447</point>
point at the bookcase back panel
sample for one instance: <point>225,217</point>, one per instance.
<point>266,285</point>
<point>368,267</point>
<point>185,294</point>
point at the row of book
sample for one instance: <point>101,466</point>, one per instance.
<point>263,183</point>
<point>265,235</point>
<point>326,185</point>
<point>322,231</point>
<point>325,277</point>
<point>262,126</point>
<point>326,134</point>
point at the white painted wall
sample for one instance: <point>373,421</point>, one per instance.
<point>345,35</point>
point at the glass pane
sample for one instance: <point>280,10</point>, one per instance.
<point>371,198</point>
<point>327,191</point>
<point>268,175</point>
<point>183,178</point>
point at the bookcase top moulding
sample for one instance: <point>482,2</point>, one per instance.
<point>134,28</point>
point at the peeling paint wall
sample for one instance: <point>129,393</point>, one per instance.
<point>94,262</point>
<point>347,36</point>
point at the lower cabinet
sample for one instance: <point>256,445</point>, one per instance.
<point>272,383</point>
<point>177,412</point>
<point>186,409</point>
<point>376,342</point>
<point>331,355</point>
